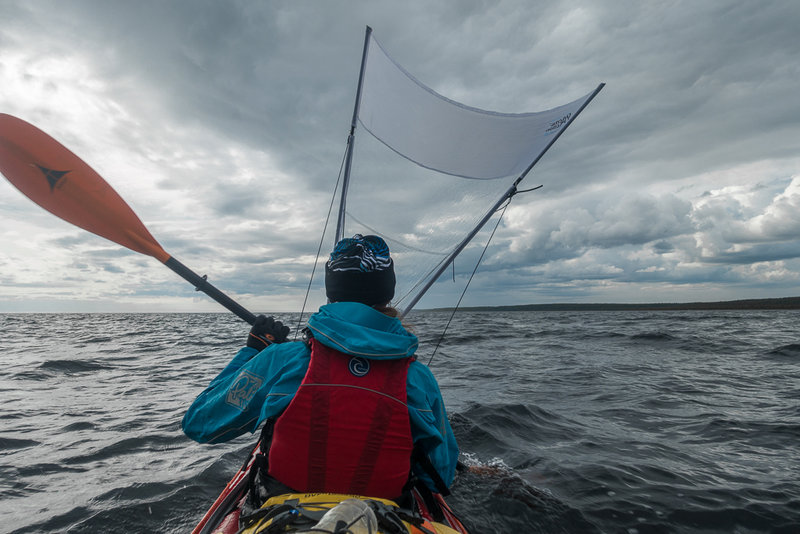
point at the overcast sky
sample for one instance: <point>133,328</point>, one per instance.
<point>223,124</point>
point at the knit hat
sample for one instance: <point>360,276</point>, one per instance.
<point>360,270</point>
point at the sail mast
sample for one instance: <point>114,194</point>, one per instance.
<point>351,142</point>
<point>507,195</point>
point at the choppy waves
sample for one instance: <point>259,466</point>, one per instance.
<point>632,422</point>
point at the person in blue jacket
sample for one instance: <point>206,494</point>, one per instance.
<point>349,404</point>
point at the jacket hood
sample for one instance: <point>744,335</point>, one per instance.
<point>359,330</point>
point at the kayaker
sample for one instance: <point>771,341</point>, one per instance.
<point>348,407</point>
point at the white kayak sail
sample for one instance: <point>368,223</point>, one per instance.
<point>446,136</point>
<point>458,165</point>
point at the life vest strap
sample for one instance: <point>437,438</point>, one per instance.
<point>376,437</point>
<point>318,438</point>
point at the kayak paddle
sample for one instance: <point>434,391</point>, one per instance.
<point>63,184</point>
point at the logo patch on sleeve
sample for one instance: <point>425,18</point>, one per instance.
<point>243,390</point>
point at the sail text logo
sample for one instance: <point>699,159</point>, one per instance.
<point>559,123</point>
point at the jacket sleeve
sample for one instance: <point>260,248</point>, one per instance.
<point>242,395</point>
<point>430,427</point>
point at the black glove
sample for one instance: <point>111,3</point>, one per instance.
<point>265,332</point>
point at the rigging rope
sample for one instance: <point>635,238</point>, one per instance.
<point>455,309</point>
<point>446,326</point>
<point>321,241</point>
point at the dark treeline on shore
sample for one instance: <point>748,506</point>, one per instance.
<point>786,303</point>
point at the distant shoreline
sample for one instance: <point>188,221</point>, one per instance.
<point>785,303</point>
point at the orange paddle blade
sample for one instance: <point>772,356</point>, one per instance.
<point>63,184</point>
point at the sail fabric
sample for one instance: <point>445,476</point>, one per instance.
<point>443,135</point>
<point>451,166</point>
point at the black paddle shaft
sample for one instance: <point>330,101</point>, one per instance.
<point>202,284</point>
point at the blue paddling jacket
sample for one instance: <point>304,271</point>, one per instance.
<point>256,386</point>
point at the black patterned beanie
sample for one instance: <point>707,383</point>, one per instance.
<point>360,270</point>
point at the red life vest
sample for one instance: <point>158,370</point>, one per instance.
<point>347,428</point>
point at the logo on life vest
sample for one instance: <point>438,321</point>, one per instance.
<point>358,366</point>
<point>243,390</point>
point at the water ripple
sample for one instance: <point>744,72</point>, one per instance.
<point>632,422</point>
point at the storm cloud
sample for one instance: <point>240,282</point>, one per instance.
<point>223,125</point>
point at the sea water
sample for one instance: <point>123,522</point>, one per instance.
<point>632,422</point>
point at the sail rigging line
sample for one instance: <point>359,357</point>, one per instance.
<point>452,260</point>
<point>394,240</point>
<point>445,263</point>
<point>319,249</point>
<point>455,309</point>
<point>529,190</point>
<point>422,280</point>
